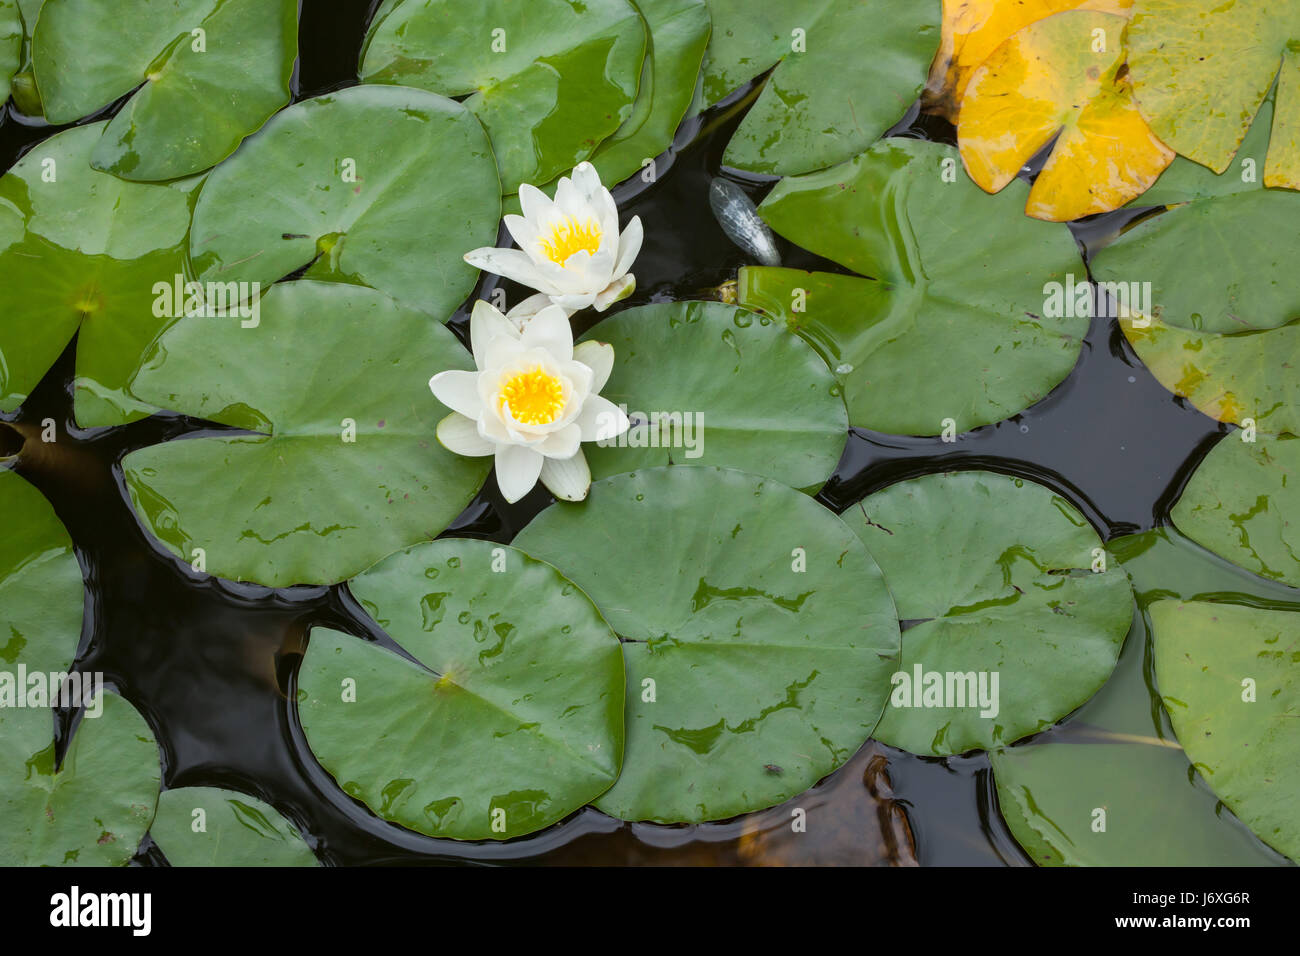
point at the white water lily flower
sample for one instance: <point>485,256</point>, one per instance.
<point>570,248</point>
<point>532,402</point>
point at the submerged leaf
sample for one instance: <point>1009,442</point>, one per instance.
<point>757,634</point>
<point>509,718</point>
<point>953,324</point>
<point>1060,81</point>
<point>549,79</point>
<point>1112,787</point>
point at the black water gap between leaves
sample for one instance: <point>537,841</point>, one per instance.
<point>212,664</point>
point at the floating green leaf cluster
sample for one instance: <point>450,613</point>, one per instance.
<point>700,638</point>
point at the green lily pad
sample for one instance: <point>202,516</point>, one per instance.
<point>1240,503</point>
<point>997,576</point>
<point>1218,264</point>
<point>11,44</point>
<point>1184,181</point>
<point>758,635</point>
<point>82,249</point>
<point>208,826</point>
<point>206,74</point>
<point>744,382</point>
<point>92,810</point>
<point>1153,809</point>
<point>846,71</point>
<point>1232,376</point>
<point>23,84</point>
<point>678,32</point>
<point>1164,563</point>
<point>549,79</point>
<point>96,807</point>
<point>1051,794</point>
<point>376,186</point>
<point>1118,754</point>
<point>344,466</point>
<point>1230,678</point>
<point>506,716</point>
<point>1201,69</point>
<point>40,582</point>
<point>952,324</point>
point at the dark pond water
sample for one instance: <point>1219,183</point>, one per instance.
<point>211,663</point>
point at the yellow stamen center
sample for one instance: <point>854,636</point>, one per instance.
<point>568,237</point>
<point>533,397</point>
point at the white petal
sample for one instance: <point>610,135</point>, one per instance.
<point>574,302</point>
<point>578,378</point>
<point>512,264</point>
<point>485,323</point>
<point>517,471</point>
<point>549,329</point>
<point>585,272</point>
<point>569,202</point>
<point>597,356</point>
<point>601,419</point>
<point>458,391</point>
<point>524,234</point>
<point>499,351</point>
<point>534,204</point>
<point>629,246</point>
<point>574,278</point>
<point>461,435</point>
<point>587,181</point>
<point>562,444</point>
<point>567,478</point>
<point>600,267</point>
<point>616,290</point>
<point>491,428</point>
<point>525,310</point>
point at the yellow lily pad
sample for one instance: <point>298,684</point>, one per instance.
<point>1064,79</point>
<point>1238,377</point>
<point>973,29</point>
<point>1202,68</point>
